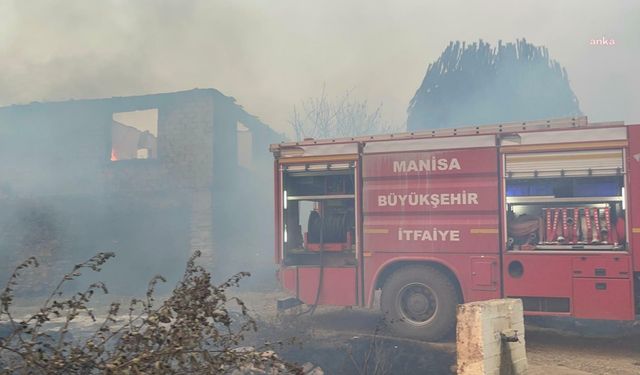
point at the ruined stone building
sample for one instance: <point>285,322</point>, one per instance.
<point>150,177</point>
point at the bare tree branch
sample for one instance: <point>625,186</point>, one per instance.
<point>344,116</point>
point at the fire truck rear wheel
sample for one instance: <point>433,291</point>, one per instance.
<point>419,302</point>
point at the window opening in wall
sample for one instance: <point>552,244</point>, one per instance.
<point>244,145</point>
<point>134,135</point>
<point>319,217</point>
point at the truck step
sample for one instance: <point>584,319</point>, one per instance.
<point>288,303</point>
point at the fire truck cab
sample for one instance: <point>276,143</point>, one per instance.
<point>542,211</point>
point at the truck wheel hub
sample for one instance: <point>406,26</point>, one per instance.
<point>417,303</point>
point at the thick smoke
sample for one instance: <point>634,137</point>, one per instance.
<point>271,55</point>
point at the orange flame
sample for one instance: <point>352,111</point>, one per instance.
<point>114,157</point>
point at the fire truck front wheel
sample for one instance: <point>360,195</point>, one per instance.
<point>419,302</point>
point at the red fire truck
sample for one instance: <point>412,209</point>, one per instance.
<point>544,211</point>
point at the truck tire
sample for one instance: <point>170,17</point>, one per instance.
<point>419,302</point>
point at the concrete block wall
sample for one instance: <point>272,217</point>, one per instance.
<point>201,225</point>
<point>185,141</point>
<point>195,174</point>
<point>480,348</point>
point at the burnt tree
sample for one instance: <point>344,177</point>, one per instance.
<point>480,84</point>
<point>345,116</point>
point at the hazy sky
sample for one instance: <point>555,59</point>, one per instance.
<point>271,54</point>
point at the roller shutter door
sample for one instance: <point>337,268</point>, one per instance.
<point>571,164</point>
<point>319,167</point>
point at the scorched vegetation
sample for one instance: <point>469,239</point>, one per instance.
<point>198,329</point>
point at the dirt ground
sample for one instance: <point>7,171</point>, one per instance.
<point>354,341</point>
<point>340,340</point>
<point>551,351</point>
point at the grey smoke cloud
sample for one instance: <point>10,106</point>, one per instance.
<point>272,54</point>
